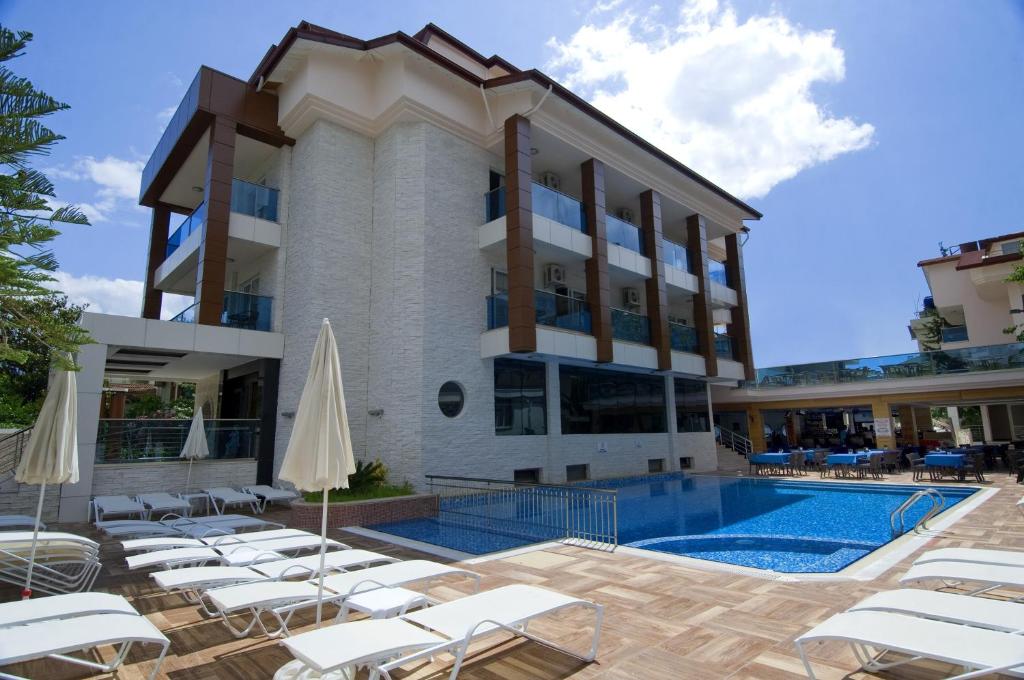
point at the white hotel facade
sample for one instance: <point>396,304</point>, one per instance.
<point>520,287</point>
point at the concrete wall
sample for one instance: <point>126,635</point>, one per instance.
<point>985,319</point>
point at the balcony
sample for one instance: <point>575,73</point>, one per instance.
<point>894,366</point>
<point>631,327</point>
<point>246,199</point>
<point>188,226</point>
<point>954,334</point>
<point>241,310</point>
<point>676,255</point>
<point>555,311</point>
<point>547,202</point>
<point>716,272</point>
<point>683,338</point>
<point>623,234</point>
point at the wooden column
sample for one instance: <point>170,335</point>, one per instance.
<point>598,288</point>
<point>703,319</point>
<point>657,297</point>
<point>213,248</point>
<point>739,329</point>
<point>522,313</point>
<point>152,297</point>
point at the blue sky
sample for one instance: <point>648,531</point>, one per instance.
<point>887,126</point>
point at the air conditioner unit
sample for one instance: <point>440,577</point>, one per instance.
<point>554,275</point>
<point>631,297</point>
<point>551,180</point>
<point>625,214</point>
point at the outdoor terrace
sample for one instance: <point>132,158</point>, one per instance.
<point>663,619</point>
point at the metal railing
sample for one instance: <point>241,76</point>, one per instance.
<point>735,441</point>
<point>147,440</point>
<point>582,516</point>
<point>11,447</point>
<point>897,522</point>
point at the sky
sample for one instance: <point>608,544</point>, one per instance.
<point>865,131</point>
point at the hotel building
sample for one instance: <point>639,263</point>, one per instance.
<point>520,287</point>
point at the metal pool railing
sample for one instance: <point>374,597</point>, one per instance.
<point>534,512</point>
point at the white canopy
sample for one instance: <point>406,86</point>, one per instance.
<point>196,447</point>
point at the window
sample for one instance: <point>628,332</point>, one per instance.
<point>691,406</point>
<point>450,399</point>
<point>655,465</point>
<point>520,398</point>
<point>596,401</point>
<point>685,463</point>
<point>577,473</point>
<point>526,476</point>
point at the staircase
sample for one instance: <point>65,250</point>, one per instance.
<point>732,450</point>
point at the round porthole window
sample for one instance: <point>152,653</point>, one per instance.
<point>450,399</point>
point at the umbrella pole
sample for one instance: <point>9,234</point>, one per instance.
<point>27,592</point>
<point>323,550</point>
<point>188,479</point>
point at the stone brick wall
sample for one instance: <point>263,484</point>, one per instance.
<point>132,478</point>
<point>363,513</point>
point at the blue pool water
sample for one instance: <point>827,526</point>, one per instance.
<point>786,526</point>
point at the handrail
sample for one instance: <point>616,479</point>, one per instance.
<point>900,513</point>
<point>505,482</point>
<point>736,441</point>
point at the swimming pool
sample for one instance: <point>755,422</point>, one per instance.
<point>786,526</point>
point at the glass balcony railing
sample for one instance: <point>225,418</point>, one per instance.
<point>683,337</point>
<point>676,255</point>
<point>624,234</point>
<point>254,199</point>
<point>723,346</point>
<point>241,310</point>
<point>190,224</point>
<point>244,310</point>
<point>556,311</point>
<point>894,366</point>
<point>716,272</point>
<point>547,202</point>
<point>954,334</point>
<point>630,326</point>
<point>151,440</point>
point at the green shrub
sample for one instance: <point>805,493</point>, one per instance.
<point>368,475</point>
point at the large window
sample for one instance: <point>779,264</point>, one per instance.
<point>520,405</point>
<point>691,406</point>
<point>596,401</point>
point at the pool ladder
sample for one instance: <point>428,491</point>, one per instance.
<point>896,517</point>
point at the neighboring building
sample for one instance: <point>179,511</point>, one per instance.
<point>519,286</point>
<point>971,303</point>
<point>965,359</point>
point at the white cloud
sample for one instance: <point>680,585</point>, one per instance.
<point>112,296</point>
<point>732,100</point>
<point>117,179</point>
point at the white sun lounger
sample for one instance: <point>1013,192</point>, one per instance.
<point>64,563</point>
<point>1009,558</point>
<point>192,581</point>
<point>268,494</point>
<point>196,527</point>
<point>283,598</point>
<point>450,627</point>
<point>55,638</point>
<point>982,651</point>
<point>101,506</point>
<point>20,612</point>
<point>163,502</point>
<point>8,522</point>
<point>991,576</point>
<point>223,496</point>
<point>234,555</point>
<point>980,612</point>
<point>168,542</point>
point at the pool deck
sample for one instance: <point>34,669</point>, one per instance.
<point>663,620</point>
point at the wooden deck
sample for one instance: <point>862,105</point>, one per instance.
<point>662,620</point>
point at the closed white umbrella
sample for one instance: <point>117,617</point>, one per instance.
<point>51,456</point>
<point>319,455</point>
<point>195,447</point>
